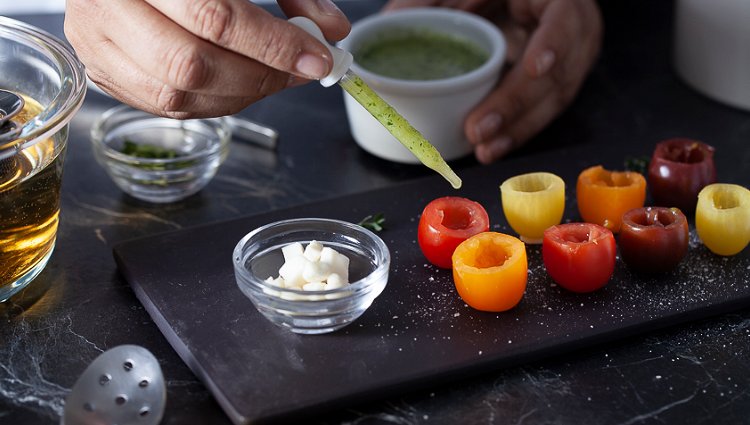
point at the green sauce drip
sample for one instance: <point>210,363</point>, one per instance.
<point>399,127</point>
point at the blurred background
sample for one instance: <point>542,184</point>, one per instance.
<point>32,6</point>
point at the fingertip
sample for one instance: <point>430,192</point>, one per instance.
<point>484,127</point>
<point>311,66</point>
<point>493,150</point>
<point>541,63</point>
<point>332,21</point>
<point>544,62</point>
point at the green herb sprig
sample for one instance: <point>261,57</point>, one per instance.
<point>144,150</point>
<point>639,164</point>
<point>375,222</point>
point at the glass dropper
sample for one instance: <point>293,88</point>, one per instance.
<point>386,115</point>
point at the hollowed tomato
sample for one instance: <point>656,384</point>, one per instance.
<point>722,218</point>
<point>490,271</point>
<point>445,223</point>
<point>604,196</point>
<point>533,202</point>
<point>580,257</point>
<point>678,170</point>
<point>653,239</point>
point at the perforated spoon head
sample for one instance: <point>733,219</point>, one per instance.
<point>123,386</point>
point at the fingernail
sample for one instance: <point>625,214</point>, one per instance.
<point>311,66</point>
<point>494,149</point>
<point>544,62</point>
<point>327,7</point>
<point>488,126</point>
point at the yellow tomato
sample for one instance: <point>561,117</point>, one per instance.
<point>722,218</point>
<point>533,202</point>
<point>604,196</point>
<point>490,271</point>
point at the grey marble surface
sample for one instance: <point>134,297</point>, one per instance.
<point>80,306</point>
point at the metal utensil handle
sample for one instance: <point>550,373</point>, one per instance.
<point>253,132</point>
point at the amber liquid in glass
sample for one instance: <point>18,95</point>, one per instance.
<point>29,204</point>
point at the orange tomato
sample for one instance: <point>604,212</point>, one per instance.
<point>490,271</point>
<point>604,196</point>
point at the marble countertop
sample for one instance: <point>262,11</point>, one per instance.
<point>80,305</point>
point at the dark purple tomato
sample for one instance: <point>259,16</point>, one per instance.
<point>653,239</point>
<point>678,170</point>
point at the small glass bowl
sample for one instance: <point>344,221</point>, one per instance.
<point>201,145</point>
<point>258,256</point>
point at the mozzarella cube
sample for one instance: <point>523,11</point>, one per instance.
<point>312,251</point>
<point>338,263</point>
<point>292,250</point>
<point>290,296</point>
<point>314,286</point>
<point>335,281</point>
<point>292,270</point>
<point>278,281</point>
<point>316,272</point>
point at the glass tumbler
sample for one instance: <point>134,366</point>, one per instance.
<point>45,71</point>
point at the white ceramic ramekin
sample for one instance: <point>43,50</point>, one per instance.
<point>437,108</point>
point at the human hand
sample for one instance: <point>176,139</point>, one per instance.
<point>552,45</point>
<point>198,58</point>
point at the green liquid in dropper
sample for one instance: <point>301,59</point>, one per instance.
<point>398,126</point>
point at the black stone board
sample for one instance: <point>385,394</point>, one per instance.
<point>418,332</point>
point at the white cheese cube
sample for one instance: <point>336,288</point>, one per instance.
<point>292,250</point>
<point>278,281</point>
<point>316,272</point>
<point>271,292</point>
<point>314,286</point>
<point>335,281</point>
<point>292,270</point>
<point>312,250</point>
<point>338,263</point>
<point>290,296</point>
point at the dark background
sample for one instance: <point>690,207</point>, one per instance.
<point>80,305</point>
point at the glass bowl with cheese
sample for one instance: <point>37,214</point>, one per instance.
<point>311,275</point>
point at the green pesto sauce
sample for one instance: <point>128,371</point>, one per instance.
<point>420,55</point>
<point>398,126</point>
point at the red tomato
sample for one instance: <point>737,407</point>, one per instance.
<point>580,257</point>
<point>678,170</point>
<point>445,223</point>
<point>653,239</point>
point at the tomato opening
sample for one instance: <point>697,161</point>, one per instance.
<point>489,258</point>
<point>690,154</point>
<point>616,179</point>
<point>725,200</point>
<point>651,217</point>
<point>579,235</point>
<point>531,184</point>
<point>457,217</point>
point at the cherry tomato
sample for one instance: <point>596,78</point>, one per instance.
<point>653,239</point>
<point>678,170</point>
<point>722,218</point>
<point>580,257</point>
<point>533,202</point>
<point>445,223</point>
<point>604,196</point>
<point>490,270</point>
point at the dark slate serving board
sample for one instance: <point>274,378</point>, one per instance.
<point>418,331</point>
